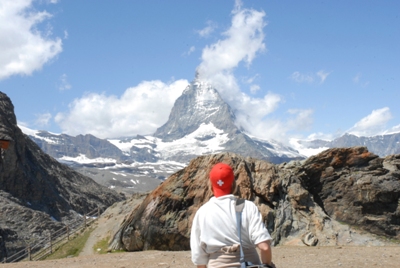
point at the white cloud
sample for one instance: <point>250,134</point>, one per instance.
<point>254,88</point>
<point>251,79</point>
<point>208,30</point>
<point>252,116</point>
<point>140,110</point>
<point>270,128</point>
<point>302,119</point>
<point>43,120</point>
<point>320,136</point>
<point>24,49</point>
<point>395,129</point>
<point>144,108</point>
<point>373,124</point>
<point>302,78</point>
<point>64,84</point>
<point>190,51</point>
<point>322,75</point>
<point>243,40</point>
<point>310,77</point>
<point>357,80</point>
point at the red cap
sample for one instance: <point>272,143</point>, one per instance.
<point>221,177</point>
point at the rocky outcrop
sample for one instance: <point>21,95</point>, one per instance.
<point>339,197</point>
<point>37,193</point>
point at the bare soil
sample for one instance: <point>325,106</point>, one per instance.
<point>283,256</point>
<point>310,257</point>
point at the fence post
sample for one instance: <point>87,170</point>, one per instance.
<point>98,212</point>
<point>29,253</point>
<point>84,218</point>
<point>51,243</point>
<point>67,232</point>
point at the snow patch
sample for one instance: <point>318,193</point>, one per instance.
<point>304,150</point>
<point>84,160</point>
<point>196,142</point>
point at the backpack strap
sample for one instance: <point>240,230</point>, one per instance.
<point>239,208</point>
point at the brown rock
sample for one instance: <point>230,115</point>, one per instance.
<point>316,201</point>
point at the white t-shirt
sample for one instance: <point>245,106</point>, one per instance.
<point>214,226</point>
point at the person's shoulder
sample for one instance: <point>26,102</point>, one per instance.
<point>249,204</point>
<point>208,203</point>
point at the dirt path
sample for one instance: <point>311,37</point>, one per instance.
<point>284,257</point>
<point>109,222</point>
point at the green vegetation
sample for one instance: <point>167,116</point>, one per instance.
<point>101,246</point>
<point>72,248</point>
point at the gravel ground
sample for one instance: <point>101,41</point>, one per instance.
<point>283,256</point>
<point>310,257</point>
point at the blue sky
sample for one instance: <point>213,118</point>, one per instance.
<point>304,69</point>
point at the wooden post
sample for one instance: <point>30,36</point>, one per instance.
<point>51,243</point>
<point>98,212</point>
<point>67,232</point>
<point>29,253</point>
<point>84,218</point>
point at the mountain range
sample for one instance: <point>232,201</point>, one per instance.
<point>200,123</point>
<point>382,145</point>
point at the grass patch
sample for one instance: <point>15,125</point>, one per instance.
<point>101,246</point>
<point>72,248</point>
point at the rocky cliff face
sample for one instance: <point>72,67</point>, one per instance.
<point>315,202</point>
<point>37,193</point>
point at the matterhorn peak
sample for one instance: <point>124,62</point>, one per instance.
<point>200,103</point>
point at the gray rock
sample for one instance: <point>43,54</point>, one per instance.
<point>340,197</point>
<point>37,192</point>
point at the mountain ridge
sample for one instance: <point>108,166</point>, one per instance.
<point>37,193</point>
<point>200,123</point>
<point>382,145</point>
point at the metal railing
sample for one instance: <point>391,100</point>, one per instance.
<point>46,246</point>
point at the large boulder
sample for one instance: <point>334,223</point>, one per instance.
<point>339,197</point>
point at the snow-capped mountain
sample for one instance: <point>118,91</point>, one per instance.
<point>199,104</point>
<point>381,145</point>
<point>200,123</point>
<point>202,115</point>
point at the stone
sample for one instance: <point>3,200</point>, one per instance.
<point>37,193</point>
<point>343,196</point>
